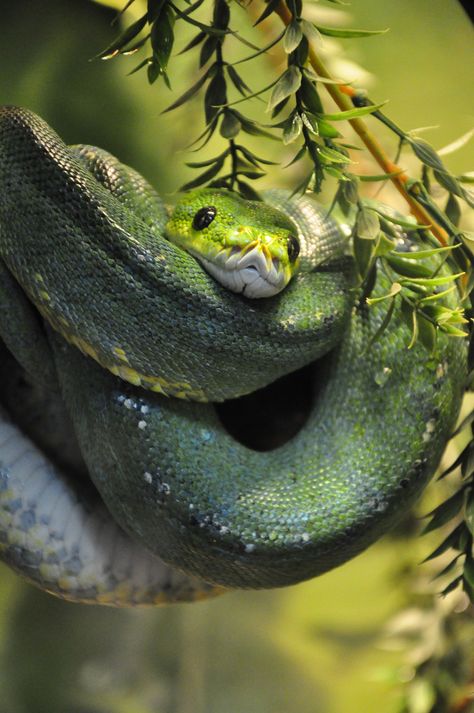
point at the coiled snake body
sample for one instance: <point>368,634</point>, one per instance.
<point>105,322</point>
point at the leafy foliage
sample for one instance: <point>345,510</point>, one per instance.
<point>295,95</point>
<point>436,636</point>
<point>433,300</point>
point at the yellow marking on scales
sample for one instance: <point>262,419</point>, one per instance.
<point>120,354</point>
<point>158,384</point>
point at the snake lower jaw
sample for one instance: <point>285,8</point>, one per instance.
<point>247,281</point>
<point>252,275</point>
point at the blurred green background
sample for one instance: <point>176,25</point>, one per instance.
<point>313,648</point>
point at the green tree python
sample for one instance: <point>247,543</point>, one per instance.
<point>119,482</point>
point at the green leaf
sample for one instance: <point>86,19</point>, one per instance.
<point>261,50</point>
<point>458,461</point>
<point>426,154</point>
<point>302,186</point>
<point>207,134</point>
<point>406,224</point>
<point>124,38</point>
<point>139,66</point>
<point>453,331</point>
<point>467,465</point>
<point>293,37</point>
<point>449,567</point>
<point>248,192</point>
<point>469,515</point>
<point>394,290</point>
<point>309,95</point>
<point>208,49</point>
<point>422,254</point>
<point>271,7</point>
<point>253,158</point>
<point>215,97</point>
<point>450,588</point>
<point>409,268</point>
<point>434,281</point>
<point>310,31</point>
<point>451,541</point>
<point>204,177</point>
<point>385,245</point>
<point>153,71</point>
<point>333,156</point>
<point>208,29</point>
<point>414,326</point>
<point>448,182</point>
<point>131,49</point>
<point>363,251</point>
<point>230,125</point>
<point>332,170</point>
<point>279,107</point>
<point>187,94</point>
<point>288,84</point>
<point>221,14</point>
<point>367,224</point>
<point>453,210</point>
<point>197,39</point>
<point>299,155</point>
<point>154,8</point>
<point>237,81</point>
<point>313,77</point>
<point>302,52</point>
<point>468,573</point>
<point>353,113</point>
<point>384,324</point>
<point>122,11</point>
<point>437,295</point>
<point>252,128</point>
<point>209,162</point>
<point>340,32</point>
<point>310,123</point>
<point>292,130</point>
<point>350,191</point>
<point>162,37</point>
<point>326,130</point>
<point>445,512</point>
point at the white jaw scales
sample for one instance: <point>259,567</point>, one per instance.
<point>251,274</point>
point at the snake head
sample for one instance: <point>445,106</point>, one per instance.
<point>248,246</point>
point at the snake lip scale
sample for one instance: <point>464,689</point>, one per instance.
<point>250,275</point>
<point>115,347</point>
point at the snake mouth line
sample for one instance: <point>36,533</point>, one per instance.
<point>251,272</point>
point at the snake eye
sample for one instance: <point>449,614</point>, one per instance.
<point>293,247</point>
<point>204,217</point>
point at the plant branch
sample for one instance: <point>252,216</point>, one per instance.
<point>342,95</point>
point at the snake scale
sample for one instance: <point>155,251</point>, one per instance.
<point>119,482</point>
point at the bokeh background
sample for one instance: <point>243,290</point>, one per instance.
<point>330,645</point>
